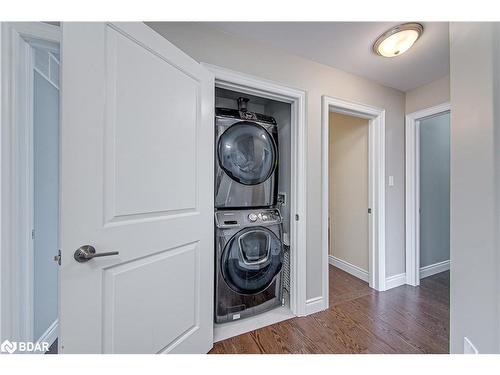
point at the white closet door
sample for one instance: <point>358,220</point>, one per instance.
<point>136,178</point>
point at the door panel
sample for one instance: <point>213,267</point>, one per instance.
<point>144,135</point>
<point>125,287</point>
<point>136,177</point>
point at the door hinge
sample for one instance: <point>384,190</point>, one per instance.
<point>57,258</point>
<point>296,217</point>
<point>369,210</point>
<point>32,234</point>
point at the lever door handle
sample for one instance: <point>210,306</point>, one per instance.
<point>87,252</point>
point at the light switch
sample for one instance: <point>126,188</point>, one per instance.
<point>391,180</point>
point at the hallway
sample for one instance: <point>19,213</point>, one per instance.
<point>360,320</point>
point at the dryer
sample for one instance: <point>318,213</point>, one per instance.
<point>249,260</point>
<point>246,167</point>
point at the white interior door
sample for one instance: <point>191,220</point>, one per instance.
<point>137,178</point>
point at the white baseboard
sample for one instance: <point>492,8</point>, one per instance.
<point>50,335</point>
<point>432,269</point>
<point>395,281</point>
<point>314,305</point>
<point>349,268</point>
<point>435,268</point>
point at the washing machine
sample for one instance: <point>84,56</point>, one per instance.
<point>249,260</point>
<point>246,167</point>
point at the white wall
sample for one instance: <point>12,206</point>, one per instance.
<point>475,186</point>
<point>430,95</point>
<point>209,45</point>
<point>435,189</point>
<point>348,189</point>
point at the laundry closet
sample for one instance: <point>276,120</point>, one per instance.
<point>252,210</point>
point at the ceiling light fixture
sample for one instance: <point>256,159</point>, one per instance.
<point>398,40</point>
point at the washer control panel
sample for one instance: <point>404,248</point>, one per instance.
<point>265,216</point>
<point>234,218</point>
<point>253,217</point>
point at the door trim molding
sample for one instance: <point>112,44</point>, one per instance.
<point>412,189</point>
<point>236,81</point>
<point>376,185</point>
<point>16,267</point>
<point>314,305</point>
<point>394,281</point>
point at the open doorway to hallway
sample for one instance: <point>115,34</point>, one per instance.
<point>354,187</point>
<point>434,187</point>
<point>348,194</point>
<point>427,193</point>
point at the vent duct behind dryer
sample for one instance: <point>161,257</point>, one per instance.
<point>242,103</point>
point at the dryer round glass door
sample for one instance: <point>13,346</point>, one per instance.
<point>247,153</point>
<point>251,260</point>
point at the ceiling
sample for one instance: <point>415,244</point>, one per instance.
<point>348,46</point>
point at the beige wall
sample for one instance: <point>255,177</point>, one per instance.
<point>206,44</point>
<point>475,145</point>
<point>434,93</point>
<point>348,185</point>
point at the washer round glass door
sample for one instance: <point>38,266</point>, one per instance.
<point>251,260</point>
<point>247,153</point>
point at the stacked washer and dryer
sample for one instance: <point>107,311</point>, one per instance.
<point>248,225</point>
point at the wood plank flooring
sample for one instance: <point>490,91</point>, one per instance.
<point>360,320</point>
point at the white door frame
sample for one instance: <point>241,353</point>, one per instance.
<point>376,185</point>
<point>16,222</point>
<point>412,189</point>
<point>236,81</point>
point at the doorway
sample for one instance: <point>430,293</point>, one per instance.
<point>31,125</point>
<point>427,193</point>
<point>287,106</point>
<point>375,209</point>
<point>45,177</point>
<point>348,194</point>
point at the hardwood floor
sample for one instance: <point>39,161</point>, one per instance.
<point>360,320</point>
